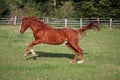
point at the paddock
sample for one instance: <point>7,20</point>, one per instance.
<point>101,53</point>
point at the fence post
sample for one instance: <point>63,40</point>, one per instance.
<point>47,21</point>
<point>65,22</point>
<point>15,20</point>
<point>110,23</point>
<point>81,22</point>
<point>98,20</point>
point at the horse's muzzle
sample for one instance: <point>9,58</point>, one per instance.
<point>20,32</point>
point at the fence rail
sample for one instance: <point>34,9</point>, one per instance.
<point>67,22</point>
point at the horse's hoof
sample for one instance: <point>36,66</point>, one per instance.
<point>72,61</point>
<point>34,55</point>
<point>25,55</point>
<point>80,62</point>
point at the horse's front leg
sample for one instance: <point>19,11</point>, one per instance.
<point>30,47</point>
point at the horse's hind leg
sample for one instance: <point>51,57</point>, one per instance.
<point>79,50</point>
<point>76,53</point>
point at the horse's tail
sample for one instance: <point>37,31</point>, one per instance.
<point>89,26</point>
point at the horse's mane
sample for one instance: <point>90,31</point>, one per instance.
<point>36,20</point>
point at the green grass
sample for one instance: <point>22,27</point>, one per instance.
<point>101,55</point>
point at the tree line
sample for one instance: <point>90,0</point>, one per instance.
<point>61,8</point>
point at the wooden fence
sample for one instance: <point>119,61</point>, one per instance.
<point>68,22</point>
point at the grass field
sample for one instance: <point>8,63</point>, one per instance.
<point>101,55</point>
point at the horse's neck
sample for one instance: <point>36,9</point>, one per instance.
<point>33,26</point>
<point>37,26</point>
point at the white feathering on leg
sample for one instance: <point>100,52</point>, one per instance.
<point>33,52</point>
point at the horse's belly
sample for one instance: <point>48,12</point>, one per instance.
<point>55,41</point>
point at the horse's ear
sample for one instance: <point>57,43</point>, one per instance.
<point>24,19</point>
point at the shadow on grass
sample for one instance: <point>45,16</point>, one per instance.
<point>47,54</point>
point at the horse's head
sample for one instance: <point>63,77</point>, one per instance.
<point>31,22</point>
<point>23,26</point>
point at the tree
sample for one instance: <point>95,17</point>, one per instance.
<point>114,8</point>
<point>30,9</point>
<point>3,8</point>
<point>87,8</point>
<point>61,8</point>
<point>67,10</point>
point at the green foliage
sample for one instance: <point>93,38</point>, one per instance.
<point>62,8</point>
<point>67,10</point>
<point>30,9</point>
<point>3,7</point>
<point>88,8</point>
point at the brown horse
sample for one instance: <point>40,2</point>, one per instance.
<point>44,33</point>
